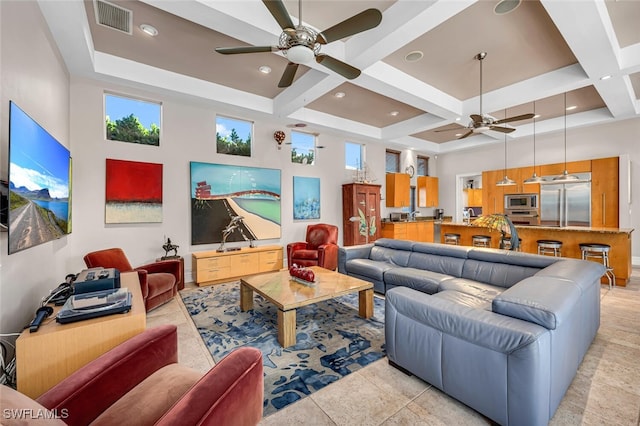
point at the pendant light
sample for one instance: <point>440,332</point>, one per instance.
<point>534,178</point>
<point>565,176</point>
<point>505,180</point>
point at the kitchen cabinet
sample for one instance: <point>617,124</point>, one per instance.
<point>358,197</point>
<point>604,192</point>
<point>492,195</point>
<point>474,197</point>
<point>519,175</point>
<point>420,230</point>
<point>583,166</point>
<point>427,191</point>
<point>398,192</point>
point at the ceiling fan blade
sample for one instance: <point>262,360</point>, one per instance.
<point>342,68</point>
<point>447,130</point>
<point>246,49</point>
<point>502,129</point>
<point>279,12</point>
<point>514,118</point>
<point>469,133</point>
<point>363,21</point>
<point>288,74</point>
<point>476,118</point>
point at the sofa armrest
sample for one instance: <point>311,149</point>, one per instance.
<point>291,247</point>
<point>232,392</point>
<point>328,256</point>
<point>352,252</point>
<point>545,301</point>
<point>99,384</point>
<point>169,266</point>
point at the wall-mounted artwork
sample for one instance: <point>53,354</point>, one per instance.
<point>306,197</point>
<point>133,192</point>
<point>233,136</point>
<point>222,192</point>
<point>132,120</point>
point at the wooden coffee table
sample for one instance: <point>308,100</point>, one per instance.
<point>288,295</point>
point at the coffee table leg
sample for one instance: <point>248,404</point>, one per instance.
<point>365,303</point>
<point>287,328</point>
<point>246,297</point>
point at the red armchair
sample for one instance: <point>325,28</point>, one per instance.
<point>158,281</point>
<point>139,381</point>
<point>319,249</point>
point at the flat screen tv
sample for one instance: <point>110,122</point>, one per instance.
<point>39,168</point>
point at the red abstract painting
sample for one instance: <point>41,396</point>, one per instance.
<point>133,192</point>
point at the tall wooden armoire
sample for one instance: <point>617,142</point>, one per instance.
<point>364,197</point>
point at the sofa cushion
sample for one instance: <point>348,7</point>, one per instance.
<point>151,398</point>
<point>497,274</point>
<point>582,273</point>
<point>486,292</point>
<point>464,299</point>
<point>540,300</point>
<point>307,254</point>
<point>449,260</point>
<point>160,282</point>
<point>390,255</point>
<point>19,409</point>
<point>419,279</point>
<point>368,268</point>
<point>511,257</point>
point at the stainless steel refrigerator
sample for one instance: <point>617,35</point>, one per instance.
<point>566,204</point>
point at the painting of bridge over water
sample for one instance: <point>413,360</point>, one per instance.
<point>222,192</point>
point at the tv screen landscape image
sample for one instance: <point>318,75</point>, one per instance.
<point>38,183</point>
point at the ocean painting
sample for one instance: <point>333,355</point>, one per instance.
<point>306,198</point>
<point>222,192</point>
<point>133,192</point>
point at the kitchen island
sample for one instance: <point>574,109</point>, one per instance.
<point>422,229</point>
<point>571,237</point>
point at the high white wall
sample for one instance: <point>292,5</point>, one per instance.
<point>33,75</point>
<point>607,140</point>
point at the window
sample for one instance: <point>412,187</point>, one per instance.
<point>233,136</point>
<point>132,120</point>
<point>392,161</point>
<point>303,147</point>
<point>423,166</point>
<point>353,156</point>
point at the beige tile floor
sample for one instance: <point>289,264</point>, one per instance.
<point>605,391</point>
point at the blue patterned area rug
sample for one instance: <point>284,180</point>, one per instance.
<point>332,340</point>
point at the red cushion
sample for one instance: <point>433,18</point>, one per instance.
<point>305,254</point>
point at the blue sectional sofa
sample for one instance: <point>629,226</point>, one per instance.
<point>503,332</point>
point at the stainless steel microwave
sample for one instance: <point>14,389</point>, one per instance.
<point>521,201</point>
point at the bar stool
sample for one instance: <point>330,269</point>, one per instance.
<point>506,244</point>
<point>481,241</point>
<point>549,247</point>
<point>599,251</point>
<point>453,239</point>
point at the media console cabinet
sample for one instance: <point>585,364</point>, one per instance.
<point>56,350</point>
<point>212,267</point>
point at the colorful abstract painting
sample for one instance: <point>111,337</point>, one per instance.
<point>133,192</point>
<point>221,193</point>
<point>306,197</point>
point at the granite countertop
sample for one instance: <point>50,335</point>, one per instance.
<point>420,219</point>
<point>557,228</point>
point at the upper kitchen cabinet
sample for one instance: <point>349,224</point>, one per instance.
<point>519,175</point>
<point>583,166</point>
<point>604,192</point>
<point>427,191</point>
<point>398,190</point>
<point>474,197</point>
<point>492,195</point>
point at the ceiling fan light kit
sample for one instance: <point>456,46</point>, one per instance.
<point>300,44</point>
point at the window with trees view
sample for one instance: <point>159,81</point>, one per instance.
<point>132,120</point>
<point>303,147</point>
<point>233,136</point>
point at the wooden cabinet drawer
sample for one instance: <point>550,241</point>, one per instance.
<point>244,264</point>
<point>214,262</point>
<point>204,275</point>
<point>270,260</point>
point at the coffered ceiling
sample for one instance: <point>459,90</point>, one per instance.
<point>535,53</point>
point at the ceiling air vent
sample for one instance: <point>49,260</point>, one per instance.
<point>113,16</point>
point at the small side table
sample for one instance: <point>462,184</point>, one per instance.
<point>181,259</point>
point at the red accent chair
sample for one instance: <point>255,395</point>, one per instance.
<point>319,249</point>
<point>158,281</point>
<point>140,382</point>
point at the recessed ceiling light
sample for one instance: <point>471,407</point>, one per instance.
<point>394,113</point>
<point>457,118</point>
<point>340,95</point>
<point>458,134</point>
<point>506,6</point>
<point>264,69</point>
<point>149,29</point>
<point>414,56</point>
<point>536,116</point>
<point>569,108</point>
<point>605,77</point>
